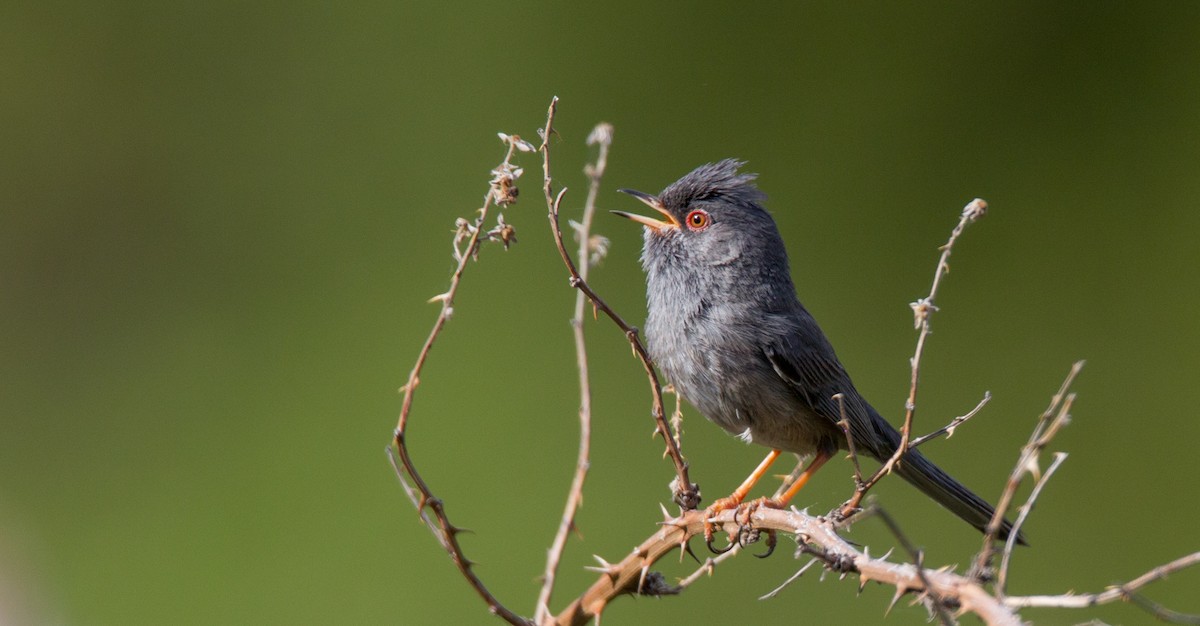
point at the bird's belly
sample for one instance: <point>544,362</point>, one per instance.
<point>755,406</point>
<point>712,361</point>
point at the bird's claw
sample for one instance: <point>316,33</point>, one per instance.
<point>746,532</point>
<point>708,541</point>
<point>771,542</point>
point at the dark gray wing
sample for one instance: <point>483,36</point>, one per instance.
<point>804,360</point>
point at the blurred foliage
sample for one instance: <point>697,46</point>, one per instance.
<point>219,223</point>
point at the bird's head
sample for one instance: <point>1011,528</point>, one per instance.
<point>713,216</point>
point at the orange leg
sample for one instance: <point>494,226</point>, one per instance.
<point>734,501</point>
<point>739,494</point>
<point>801,480</point>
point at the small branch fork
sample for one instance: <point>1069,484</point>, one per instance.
<point>1049,423</point>
<point>922,310</point>
<point>687,494</point>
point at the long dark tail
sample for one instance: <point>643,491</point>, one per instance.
<point>933,482</point>
<point>921,473</point>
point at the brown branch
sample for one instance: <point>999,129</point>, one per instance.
<point>936,604</point>
<point>949,429</point>
<point>1124,593</point>
<point>817,538</point>
<point>502,190</point>
<point>922,310</point>
<point>687,494</point>
<point>602,136</point>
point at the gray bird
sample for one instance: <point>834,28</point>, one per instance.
<point>726,328</point>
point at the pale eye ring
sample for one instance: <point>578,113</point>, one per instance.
<point>697,219</point>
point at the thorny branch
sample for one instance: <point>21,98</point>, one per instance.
<point>687,494</point>
<point>817,538</point>
<point>935,603</point>
<point>502,190</point>
<point>591,249</point>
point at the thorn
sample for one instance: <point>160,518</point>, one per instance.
<point>454,531</point>
<point>642,578</point>
<point>606,568</point>
<point>895,599</point>
<point>687,547</point>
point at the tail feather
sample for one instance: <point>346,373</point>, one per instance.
<point>933,482</point>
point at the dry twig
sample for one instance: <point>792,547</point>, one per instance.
<point>501,190</point>
<point>922,309</point>
<point>1049,423</point>
<point>687,494</point>
<point>1124,593</point>
<point>588,255</point>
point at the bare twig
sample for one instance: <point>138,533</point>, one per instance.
<point>710,565</point>
<point>687,494</point>
<point>851,447</point>
<point>1051,420</point>
<point>601,136</point>
<point>502,190</point>
<point>1124,593</point>
<point>949,429</point>
<point>1023,513</point>
<point>791,579</point>
<point>922,309</point>
<point>676,417</point>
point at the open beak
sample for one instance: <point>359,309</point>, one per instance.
<point>653,203</point>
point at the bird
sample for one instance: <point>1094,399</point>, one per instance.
<point>726,328</point>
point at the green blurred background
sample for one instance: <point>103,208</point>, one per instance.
<point>220,222</point>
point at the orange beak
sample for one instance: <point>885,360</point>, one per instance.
<point>653,203</point>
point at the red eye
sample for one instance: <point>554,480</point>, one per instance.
<point>697,220</point>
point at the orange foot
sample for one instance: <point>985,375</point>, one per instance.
<point>746,533</point>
